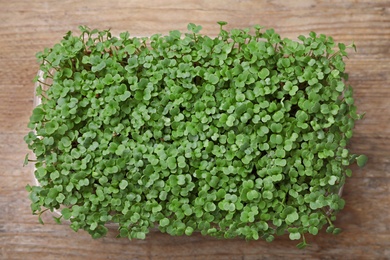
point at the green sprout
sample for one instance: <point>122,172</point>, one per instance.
<point>242,135</point>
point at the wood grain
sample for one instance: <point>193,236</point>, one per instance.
<point>28,26</point>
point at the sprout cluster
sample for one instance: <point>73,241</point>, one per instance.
<point>242,135</point>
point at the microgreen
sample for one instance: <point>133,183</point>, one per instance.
<point>241,135</point>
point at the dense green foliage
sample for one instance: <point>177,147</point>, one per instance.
<point>241,135</point>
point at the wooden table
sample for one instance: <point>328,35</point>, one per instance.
<point>28,26</point>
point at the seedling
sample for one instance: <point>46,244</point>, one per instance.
<point>242,135</point>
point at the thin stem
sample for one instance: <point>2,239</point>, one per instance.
<point>43,83</point>
<point>43,211</point>
<point>329,221</point>
<point>334,54</point>
<point>50,74</point>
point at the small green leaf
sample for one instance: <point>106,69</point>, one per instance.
<point>292,217</point>
<point>189,231</point>
<point>313,230</point>
<point>267,194</point>
<point>51,127</point>
<point>278,116</point>
<point>263,73</point>
<point>361,160</point>
<point>37,115</point>
<point>213,79</point>
<point>164,222</point>
<point>295,236</point>
<point>57,220</point>
<point>66,213</point>
<point>337,231</point>
<point>230,120</point>
<point>332,180</point>
<point>171,162</point>
<point>130,49</point>
<point>60,198</point>
<point>141,235</point>
<point>251,195</point>
<point>330,229</point>
<point>123,184</point>
<point>157,208</point>
<point>25,162</point>
<point>40,220</point>
<point>302,245</point>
